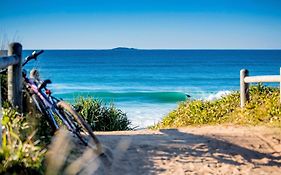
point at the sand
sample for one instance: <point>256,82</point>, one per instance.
<point>201,150</point>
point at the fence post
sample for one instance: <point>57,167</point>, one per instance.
<point>244,88</point>
<point>15,76</point>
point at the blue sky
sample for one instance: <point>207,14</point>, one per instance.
<point>175,24</point>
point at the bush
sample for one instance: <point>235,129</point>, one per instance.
<point>263,108</point>
<point>19,154</point>
<point>102,117</point>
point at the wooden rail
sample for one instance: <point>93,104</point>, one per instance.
<point>245,80</point>
<point>265,79</point>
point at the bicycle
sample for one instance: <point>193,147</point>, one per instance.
<point>57,112</point>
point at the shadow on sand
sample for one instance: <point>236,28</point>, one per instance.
<point>144,149</point>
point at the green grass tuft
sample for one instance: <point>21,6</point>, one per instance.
<point>262,109</point>
<point>100,116</point>
<point>19,154</point>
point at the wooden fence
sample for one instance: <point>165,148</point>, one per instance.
<point>13,62</point>
<point>245,80</point>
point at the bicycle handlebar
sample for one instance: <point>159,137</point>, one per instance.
<point>34,56</point>
<point>38,53</point>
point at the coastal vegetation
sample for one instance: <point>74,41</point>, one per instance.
<point>20,152</point>
<point>26,136</point>
<point>102,117</point>
<point>262,109</point>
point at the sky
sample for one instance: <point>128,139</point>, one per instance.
<point>146,24</point>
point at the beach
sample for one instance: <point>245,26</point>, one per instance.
<point>220,150</point>
<point>173,87</point>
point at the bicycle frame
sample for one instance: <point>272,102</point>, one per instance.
<point>49,102</point>
<point>56,110</point>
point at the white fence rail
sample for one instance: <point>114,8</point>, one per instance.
<point>245,80</point>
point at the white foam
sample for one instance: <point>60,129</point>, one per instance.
<point>217,95</point>
<point>144,115</point>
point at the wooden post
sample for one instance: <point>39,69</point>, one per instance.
<point>15,76</point>
<point>244,88</point>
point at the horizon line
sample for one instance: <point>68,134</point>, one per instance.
<point>131,48</point>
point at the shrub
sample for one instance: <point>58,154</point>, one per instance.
<point>18,155</point>
<point>102,117</point>
<point>263,107</point>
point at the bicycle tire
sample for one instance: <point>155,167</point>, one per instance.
<point>80,126</point>
<point>42,109</point>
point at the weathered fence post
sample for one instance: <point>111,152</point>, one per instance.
<point>15,76</point>
<point>244,88</point>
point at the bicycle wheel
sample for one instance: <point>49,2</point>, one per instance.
<point>42,109</point>
<point>82,129</point>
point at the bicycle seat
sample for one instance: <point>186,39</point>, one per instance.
<point>43,84</point>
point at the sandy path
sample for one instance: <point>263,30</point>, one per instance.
<point>203,150</point>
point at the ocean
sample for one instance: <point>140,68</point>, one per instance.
<point>148,84</point>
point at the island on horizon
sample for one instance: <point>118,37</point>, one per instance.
<point>124,49</point>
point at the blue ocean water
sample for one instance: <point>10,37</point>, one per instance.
<point>147,84</point>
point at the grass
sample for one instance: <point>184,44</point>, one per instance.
<point>262,109</point>
<point>19,154</point>
<point>100,116</point>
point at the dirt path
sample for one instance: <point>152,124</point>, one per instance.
<point>203,150</point>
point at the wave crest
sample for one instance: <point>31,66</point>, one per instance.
<point>149,97</point>
<point>217,95</point>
